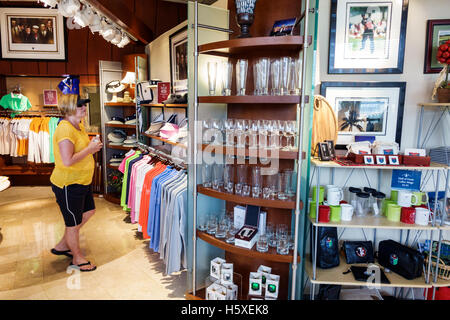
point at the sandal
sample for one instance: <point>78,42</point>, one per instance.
<point>84,264</point>
<point>61,253</point>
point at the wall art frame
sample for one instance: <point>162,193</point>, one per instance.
<point>178,61</point>
<point>438,32</point>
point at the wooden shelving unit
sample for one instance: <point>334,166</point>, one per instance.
<point>271,255</point>
<point>165,140</point>
<point>120,104</point>
<point>119,147</point>
<point>254,153</point>
<point>121,126</point>
<point>280,204</point>
<point>162,105</point>
<point>265,100</point>
<point>112,167</point>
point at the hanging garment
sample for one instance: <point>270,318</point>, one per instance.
<point>16,102</point>
<point>124,180</point>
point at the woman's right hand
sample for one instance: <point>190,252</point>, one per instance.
<point>94,146</point>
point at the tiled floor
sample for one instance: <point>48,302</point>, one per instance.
<point>31,225</point>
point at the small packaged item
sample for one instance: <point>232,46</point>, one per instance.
<point>232,291</point>
<point>386,148</point>
<point>265,272</point>
<point>362,147</point>
<point>215,268</point>
<point>272,284</point>
<point>226,273</point>
<point>415,152</point>
<point>239,216</point>
<point>255,285</point>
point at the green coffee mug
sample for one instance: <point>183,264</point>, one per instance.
<point>394,195</point>
<point>394,212</point>
<point>321,194</point>
<point>335,213</point>
<point>312,209</point>
<point>422,198</point>
<point>384,207</point>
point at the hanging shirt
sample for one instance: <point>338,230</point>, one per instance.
<point>52,127</point>
<point>17,102</point>
<point>124,180</point>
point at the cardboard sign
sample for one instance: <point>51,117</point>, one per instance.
<point>163,91</point>
<point>406,180</point>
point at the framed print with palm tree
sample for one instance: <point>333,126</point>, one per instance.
<point>366,109</point>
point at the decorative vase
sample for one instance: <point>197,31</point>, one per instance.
<point>443,95</point>
<point>245,16</point>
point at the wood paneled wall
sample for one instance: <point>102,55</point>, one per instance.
<point>85,49</point>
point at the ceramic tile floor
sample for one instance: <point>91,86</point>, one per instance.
<point>31,224</point>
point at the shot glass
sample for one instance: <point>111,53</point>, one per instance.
<point>222,228</point>
<point>212,225</point>
<point>241,76</point>
<point>227,74</point>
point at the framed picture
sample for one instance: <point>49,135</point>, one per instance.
<point>368,160</point>
<point>381,160</point>
<point>367,36</point>
<point>32,33</point>
<point>331,148</point>
<point>178,61</point>
<point>283,27</point>
<point>324,151</point>
<point>50,98</point>
<point>438,32</point>
<point>366,108</point>
<point>393,160</point>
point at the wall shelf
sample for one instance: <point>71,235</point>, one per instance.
<point>112,167</point>
<point>291,99</point>
<point>271,255</point>
<point>280,204</point>
<point>165,140</point>
<point>123,126</point>
<point>118,147</point>
<point>232,151</point>
<point>162,105</point>
<point>242,46</point>
<point>332,164</point>
<point>120,104</point>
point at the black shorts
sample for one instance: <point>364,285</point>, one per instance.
<point>74,200</point>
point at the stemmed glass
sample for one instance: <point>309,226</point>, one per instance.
<point>292,132</point>
<point>207,124</point>
<point>217,125</point>
<point>253,139</point>
<point>262,132</point>
<point>239,129</point>
<point>274,134</point>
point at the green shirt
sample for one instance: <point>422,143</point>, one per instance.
<point>16,102</point>
<point>53,123</point>
<point>123,201</point>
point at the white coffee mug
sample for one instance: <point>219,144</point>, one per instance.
<point>422,216</point>
<point>346,212</point>
<point>334,196</point>
<point>405,198</point>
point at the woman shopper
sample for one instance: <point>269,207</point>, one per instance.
<point>72,176</point>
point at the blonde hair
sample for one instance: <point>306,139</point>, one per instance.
<point>68,104</point>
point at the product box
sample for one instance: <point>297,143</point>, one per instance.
<point>262,222</point>
<point>255,284</point>
<point>415,152</point>
<point>232,291</point>
<point>248,234</point>
<point>239,216</point>
<point>272,284</point>
<point>215,266</point>
<point>211,292</point>
<point>265,272</point>
<point>226,273</point>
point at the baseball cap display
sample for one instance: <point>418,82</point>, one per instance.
<point>116,158</point>
<point>168,131</point>
<point>114,86</point>
<point>156,124</point>
<point>130,119</point>
<point>117,136</point>
<point>116,120</point>
<point>130,141</point>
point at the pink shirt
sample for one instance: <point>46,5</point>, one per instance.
<point>122,164</point>
<point>132,191</point>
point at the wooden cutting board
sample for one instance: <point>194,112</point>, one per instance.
<point>325,125</point>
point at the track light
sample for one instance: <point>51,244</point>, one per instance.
<point>84,16</point>
<point>96,23</point>
<point>125,40</point>
<point>117,38</point>
<point>49,3</point>
<point>108,32</point>
<point>68,8</point>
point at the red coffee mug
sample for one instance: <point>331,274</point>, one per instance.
<point>324,213</point>
<point>343,201</point>
<point>408,215</point>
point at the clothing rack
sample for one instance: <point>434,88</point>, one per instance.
<point>177,162</point>
<point>32,113</point>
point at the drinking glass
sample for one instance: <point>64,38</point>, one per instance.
<point>292,132</point>
<point>217,126</point>
<point>207,175</point>
<point>206,136</point>
<point>285,63</point>
<point>264,71</point>
<point>212,225</point>
<point>217,176</point>
<point>232,230</point>
<point>271,235</point>
<point>293,78</point>
<point>282,186</point>
<point>291,241</point>
<point>241,179</point>
<point>212,73</point>
<point>290,183</point>
<point>241,76</point>
<point>262,132</point>
<point>228,177</point>
<point>262,245</point>
<point>253,138</point>
<point>229,131</point>
<point>281,230</point>
<point>256,182</point>
<point>269,185</point>
<point>287,133</point>
<point>256,79</point>
<point>298,74</point>
<point>222,228</point>
<point>283,245</point>
<point>202,222</point>
<point>275,76</point>
<point>227,74</point>
<point>240,133</point>
<point>274,134</point>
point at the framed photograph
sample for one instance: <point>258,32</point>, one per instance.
<point>50,98</point>
<point>331,148</point>
<point>381,160</point>
<point>438,32</point>
<point>178,61</point>
<point>368,160</point>
<point>32,33</point>
<point>283,27</point>
<point>367,36</point>
<point>366,108</point>
<point>324,151</point>
<point>393,160</point>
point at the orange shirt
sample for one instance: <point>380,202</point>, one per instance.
<point>145,197</point>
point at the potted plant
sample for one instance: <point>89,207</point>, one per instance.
<point>442,86</point>
<point>115,181</point>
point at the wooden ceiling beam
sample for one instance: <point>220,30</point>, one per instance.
<point>120,14</point>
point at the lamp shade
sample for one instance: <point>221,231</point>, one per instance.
<point>129,78</point>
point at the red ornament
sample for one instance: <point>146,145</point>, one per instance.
<point>439,53</point>
<point>443,47</point>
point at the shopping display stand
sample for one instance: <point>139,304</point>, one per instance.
<point>253,107</point>
<point>335,275</point>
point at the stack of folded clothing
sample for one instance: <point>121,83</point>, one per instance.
<point>117,137</point>
<point>116,159</point>
<point>130,141</point>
